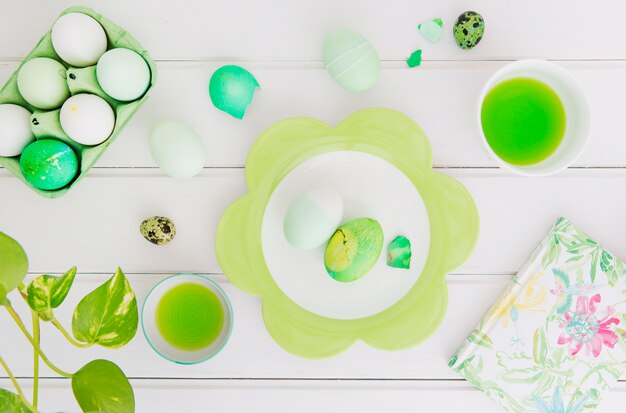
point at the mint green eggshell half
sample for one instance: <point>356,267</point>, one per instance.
<point>353,249</point>
<point>351,60</point>
<point>49,164</point>
<point>231,89</point>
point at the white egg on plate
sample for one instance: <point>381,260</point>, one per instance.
<point>15,133</point>
<point>87,119</point>
<point>177,149</point>
<point>312,218</point>
<point>78,39</point>
<point>41,82</point>
<point>123,74</point>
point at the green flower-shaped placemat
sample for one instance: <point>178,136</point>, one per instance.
<point>391,136</point>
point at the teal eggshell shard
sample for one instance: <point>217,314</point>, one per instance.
<point>469,29</point>
<point>353,249</point>
<point>351,60</point>
<point>231,89</point>
<point>49,164</point>
<point>399,253</point>
<point>431,30</point>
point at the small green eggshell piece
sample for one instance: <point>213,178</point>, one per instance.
<point>41,82</point>
<point>177,149</point>
<point>49,164</point>
<point>399,253</point>
<point>431,30</point>
<point>158,230</point>
<point>351,60</point>
<point>231,89</point>
<point>469,29</point>
<point>353,249</point>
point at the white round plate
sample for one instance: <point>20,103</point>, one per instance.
<point>370,187</point>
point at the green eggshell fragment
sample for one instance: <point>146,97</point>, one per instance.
<point>469,29</point>
<point>231,89</point>
<point>351,60</point>
<point>415,59</point>
<point>432,30</point>
<point>399,253</point>
<point>353,249</point>
<point>49,164</point>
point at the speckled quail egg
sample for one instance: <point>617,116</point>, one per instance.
<point>158,230</point>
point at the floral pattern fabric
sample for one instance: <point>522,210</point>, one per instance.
<point>555,340</point>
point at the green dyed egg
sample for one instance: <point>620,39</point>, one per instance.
<point>351,60</point>
<point>353,249</point>
<point>231,89</point>
<point>469,29</point>
<point>49,164</point>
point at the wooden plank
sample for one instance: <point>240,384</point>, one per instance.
<point>440,96</point>
<point>303,396</point>
<point>288,30</point>
<point>96,225</point>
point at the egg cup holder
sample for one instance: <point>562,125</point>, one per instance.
<point>450,230</point>
<point>46,124</point>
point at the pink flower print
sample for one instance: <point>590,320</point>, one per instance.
<point>582,327</point>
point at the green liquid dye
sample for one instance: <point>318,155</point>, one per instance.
<point>523,120</point>
<point>189,316</point>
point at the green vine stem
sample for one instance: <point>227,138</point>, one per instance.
<point>20,393</point>
<point>20,324</point>
<point>67,335</point>
<point>37,338</point>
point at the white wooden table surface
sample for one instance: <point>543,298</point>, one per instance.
<point>95,226</point>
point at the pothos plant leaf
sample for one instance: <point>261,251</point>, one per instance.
<point>108,315</point>
<point>11,403</point>
<point>13,265</point>
<point>101,386</point>
<point>47,292</point>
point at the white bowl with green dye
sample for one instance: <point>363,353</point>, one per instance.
<point>164,348</point>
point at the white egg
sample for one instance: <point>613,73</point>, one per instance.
<point>15,133</point>
<point>312,219</point>
<point>78,39</point>
<point>41,82</point>
<point>87,119</point>
<point>123,74</point>
<point>177,149</point>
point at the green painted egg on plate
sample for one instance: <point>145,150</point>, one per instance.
<point>469,29</point>
<point>49,164</point>
<point>351,60</point>
<point>353,249</point>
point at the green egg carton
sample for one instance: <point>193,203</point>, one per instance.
<point>46,124</point>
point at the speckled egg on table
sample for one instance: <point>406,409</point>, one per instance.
<point>158,230</point>
<point>469,29</point>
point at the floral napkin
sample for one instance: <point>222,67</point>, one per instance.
<point>555,341</point>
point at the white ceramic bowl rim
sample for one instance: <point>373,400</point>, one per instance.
<point>575,101</point>
<point>228,308</point>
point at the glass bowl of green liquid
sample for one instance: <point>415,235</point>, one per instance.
<point>187,318</point>
<point>534,118</point>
